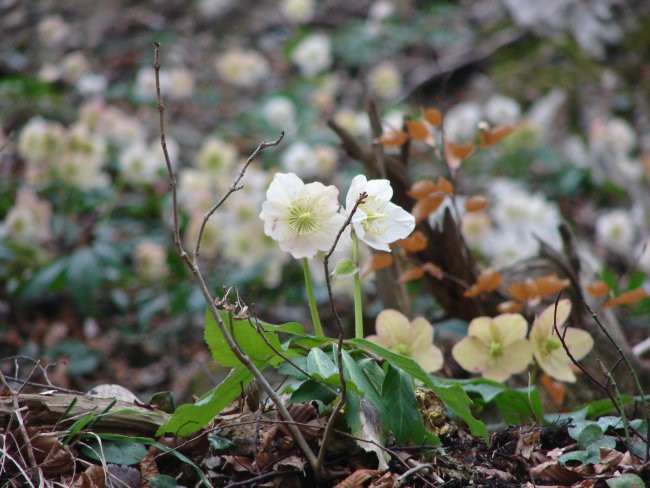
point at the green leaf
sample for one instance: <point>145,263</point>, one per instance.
<point>355,376</point>
<point>311,390</point>
<point>83,278</point>
<point>345,267</point>
<point>400,407</point>
<point>244,334</point>
<point>588,435</point>
<point>580,456</point>
<point>320,366</point>
<point>115,452</point>
<point>628,480</point>
<point>219,443</point>
<point>287,369</point>
<point>45,279</point>
<point>192,417</point>
<point>450,393</point>
<point>164,481</point>
<point>517,406</point>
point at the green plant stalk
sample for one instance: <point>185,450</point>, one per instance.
<point>315,318</point>
<point>358,312</point>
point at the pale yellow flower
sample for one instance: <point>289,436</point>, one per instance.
<point>547,347</point>
<point>495,347</point>
<point>413,339</point>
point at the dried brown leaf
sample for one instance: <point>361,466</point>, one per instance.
<point>492,136</point>
<point>426,206</point>
<point>376,262</point>
<point>417,130</point>
<point>393,139</point>
<point>476,203</point>
<point>358,478</point>
<point>433,116</point>
<point>414,243</point>
<point>627,298</point>
<point>414,273</point>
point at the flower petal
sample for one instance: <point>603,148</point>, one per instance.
<point>392,326</point>
<point>578,341</point>
<point>543,324</point>
<point>421,334</point>
<point>480,329</point>
<point>511,327</point>
<point>557,365</point>
<point>471,354</point>
<point>430,358</point>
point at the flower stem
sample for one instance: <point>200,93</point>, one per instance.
<point>358,313</point>
<point>318,328</point>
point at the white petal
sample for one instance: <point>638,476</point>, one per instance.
<point>357,186</point>
<point>380,189</point>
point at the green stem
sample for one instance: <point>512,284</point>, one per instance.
<point>318,328</point>
<point>358,313</point>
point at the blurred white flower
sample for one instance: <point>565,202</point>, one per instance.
<point>181,83</point>
<point>81,163</point>
<point>500,110</point>
<point>52,31</point>
<point>197,191</point>
<point>144,86</point>
<point>49,73</point>
<point>377,221</point>
<point>324,92</point>
<point>313,54</point>
<point>210,239</point>
<point>280,112</point>
<point>139,165</point>
<point>28,220</point>
<point>575,151</point>
<point>303,219</point>
<point>214,8</point>
<point>216,157</point>
<point>385,80</point>
<point>542,115</point>
<point>615,231</point>
<point>381,10</point>
<point>299,158</point>
<point>151,260</point>
<point>326,158</point>
<point>477,228</point>
<point>241,67</point>
<point>92,84</point>
<point>41,140</point>
<point>298,11</point>
<point>642,254</point>
<point>74,66</point>
<point>460,121</point>
<point>615,133</point>
<point>356,123</point>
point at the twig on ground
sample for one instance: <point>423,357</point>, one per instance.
<point>190,263</point>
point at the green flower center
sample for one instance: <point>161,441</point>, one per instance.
<point>495,349</point>
<point>402,349</point>
<point>374,222</point>
<point>303,217</point>
<point>550,345</point>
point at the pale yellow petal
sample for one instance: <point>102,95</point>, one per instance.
<point>421,333</point>
<point>471,354</point>
<point>392,326</point>
<point>430,358</point>
<point>543,324</point>
<point>496,372</point>
<point>518,355</point>
<point>479,328</point>
<point>578,341</point>
<point>511,327</point>
<point>557,365</point>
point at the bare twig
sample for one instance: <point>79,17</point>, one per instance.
<point>339,349</point>
<point>21,424</point>
<point>198,277</point>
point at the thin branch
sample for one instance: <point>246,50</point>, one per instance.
<point>233,188</point>
<point>232,345</point>
<point>339,350</point>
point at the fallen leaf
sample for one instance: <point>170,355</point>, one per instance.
<point>433,116</point>
<point>358,478</point>
<point>413,243</point>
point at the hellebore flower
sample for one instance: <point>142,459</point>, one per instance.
<point>302,218</point>
<point>495,347</point>
<point>547,347</point>
<point>377,221</point>
<point>413,339</point>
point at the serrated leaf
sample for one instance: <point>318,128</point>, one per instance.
<point>450,393</point>
<point>191,417</point>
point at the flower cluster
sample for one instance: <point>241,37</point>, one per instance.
<point>497,347</point>
<point>305,218</point>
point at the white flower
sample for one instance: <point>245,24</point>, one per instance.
<point>326,158</point>
<point>139,164</point>
<point>181,83</point>
<point>313,55</point>
<point>81,164</point>
<point>501,110</point>
<point>461,120</point>
<point>216,156</point>
<point>303,219</point>
<point>279,111</point>
<point>53,30</point>
<point>241,67</point>
<point>299,158</point>
<point>41,140</point>
<point>29,219</point>
<point>356,123</point>
<point>151,260</point>
<point>92,84</point>
<point>74,65</point>
<point>385,80</point>
<point>377,221</point>
<point>615,231</point>
<point>299,11</point>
